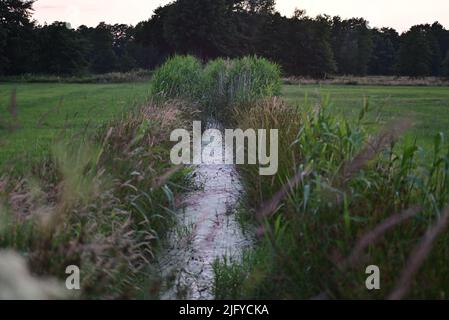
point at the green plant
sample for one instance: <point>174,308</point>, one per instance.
<point>338,181</point>
<point>220,85</point>
<point>102,202</point>
<point>179,77</point>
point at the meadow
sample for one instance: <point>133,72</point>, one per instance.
<point>348,177</point>
<point>428,107</point>
<point>47,110</point>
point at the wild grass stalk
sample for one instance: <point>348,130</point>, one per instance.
<point>102,202</point>
<point>418,256</point>
<point>342,208</point>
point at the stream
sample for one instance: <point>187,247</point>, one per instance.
<point>207,229</point>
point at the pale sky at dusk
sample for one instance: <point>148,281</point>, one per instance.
<point>400,14</point>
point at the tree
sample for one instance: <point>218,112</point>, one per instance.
<point>150,48</point>
<point>220,28</point>
<point>445,66</point>
<point>385,50</point>
<point>415,54</point>
<point>3,58</point>
<point>101,55</point>
<point>352,45</point>
<point>16,36</point>
<point>67,53</point>
<point>123,37</point>
<point>15,13</point>
<point>199,27</point>
<point>256,6</point>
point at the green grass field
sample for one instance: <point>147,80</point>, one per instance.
<point>427,106</point>
<point>45,111</point>
<point>112,190</point>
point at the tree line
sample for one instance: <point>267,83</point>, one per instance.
<point>302,45</point>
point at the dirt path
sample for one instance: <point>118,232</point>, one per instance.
<point>208,230</point>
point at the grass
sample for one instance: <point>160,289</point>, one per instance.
<point>346,194</point>
<point>102,201</point>
<point>345,197</point>
<point>179,78</point>
<point>45,111</point>
<point>427,106</point>
<point>218,85</point>
<point>92,185</point>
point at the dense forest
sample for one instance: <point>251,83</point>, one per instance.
<point>302,45</point>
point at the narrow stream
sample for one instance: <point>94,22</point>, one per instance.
<point>207,230</point>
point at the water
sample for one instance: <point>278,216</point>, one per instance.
<point>207,230</point>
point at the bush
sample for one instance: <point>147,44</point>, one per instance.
<point>216,83</point>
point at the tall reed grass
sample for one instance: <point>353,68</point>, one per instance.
<point>354,204</point>
<point>220,84</point>
<point>178,78</point>
<point>240,82</point>
<point>101,202</point>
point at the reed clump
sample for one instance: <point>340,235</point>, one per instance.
<point>220,84</point>
<point>344,198</point>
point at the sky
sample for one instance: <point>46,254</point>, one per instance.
<point>399,14</point>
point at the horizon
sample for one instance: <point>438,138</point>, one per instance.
<point>401,15</point>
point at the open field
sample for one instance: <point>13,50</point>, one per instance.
<point>100,198</point>
<point>44,111</point>
<point>427,106</point>
<point>338,179</point>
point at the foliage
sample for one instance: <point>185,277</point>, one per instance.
<point>220,84</point>
<point>302,45</point>
<point>47,111</point>
<point>179,77</point>
<point>445,66</point>
<point>101,202</point>
<point>352,183</point>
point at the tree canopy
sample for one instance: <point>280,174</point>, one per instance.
<point>302,45</point>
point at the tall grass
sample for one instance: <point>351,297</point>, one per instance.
<point>356,193</point>
<point>178,78</point>
<point>102,202</point>
<point>220,84</point>
<point>240,82</point>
